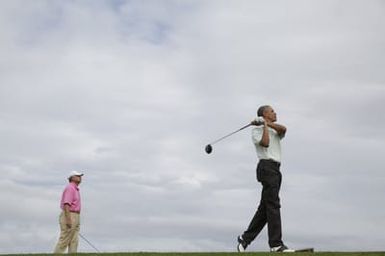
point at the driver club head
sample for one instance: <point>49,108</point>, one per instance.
<point>208,149</point>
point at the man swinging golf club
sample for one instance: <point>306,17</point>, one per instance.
<point>267,139</point>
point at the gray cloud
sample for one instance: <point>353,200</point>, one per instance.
<point>130,92</point>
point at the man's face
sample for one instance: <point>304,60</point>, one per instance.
<point>76,179</point>
<point>269,114</point>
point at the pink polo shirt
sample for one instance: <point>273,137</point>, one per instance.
<point>71,196</point>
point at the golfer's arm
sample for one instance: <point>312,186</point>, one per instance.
<point>265,140</point>
<point>280,129</point>
<point>67,212</point>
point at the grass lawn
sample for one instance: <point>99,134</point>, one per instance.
<point>219,254</point>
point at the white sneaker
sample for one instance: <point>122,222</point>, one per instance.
<point>242,245</point>
<point>281,248</point>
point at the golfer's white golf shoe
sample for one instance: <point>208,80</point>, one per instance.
<point>281,248</point>
<point>242,245</point>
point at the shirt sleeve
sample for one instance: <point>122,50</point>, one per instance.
<point>68,196</point>
<point>257,135</point>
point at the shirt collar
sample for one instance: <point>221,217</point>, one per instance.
<point>73,184</point>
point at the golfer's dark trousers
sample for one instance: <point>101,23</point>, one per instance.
<point>269,208</point>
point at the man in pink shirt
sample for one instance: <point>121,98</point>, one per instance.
<point>70,216</point>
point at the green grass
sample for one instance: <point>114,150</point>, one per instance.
<point>219,254</point>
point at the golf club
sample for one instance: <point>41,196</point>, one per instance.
<point>256,121</point>
<point>209,147</point>
<point>88,242</point>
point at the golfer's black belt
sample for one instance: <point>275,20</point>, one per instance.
<point>271,161</point>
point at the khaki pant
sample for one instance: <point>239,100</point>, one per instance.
<point>69,237</point>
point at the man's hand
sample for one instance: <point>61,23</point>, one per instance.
<point>258,121</point>
<point>68,222</point>
<point>67,215</point>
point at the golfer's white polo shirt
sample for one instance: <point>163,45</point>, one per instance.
<point>273,151</point>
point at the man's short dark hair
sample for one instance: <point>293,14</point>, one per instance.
<point>262,109</point>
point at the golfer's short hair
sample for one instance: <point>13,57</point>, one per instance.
<point>262,109</point>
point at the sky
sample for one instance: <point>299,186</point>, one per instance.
<point>130,92</point>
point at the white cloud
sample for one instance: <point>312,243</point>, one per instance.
<point>131,91</point>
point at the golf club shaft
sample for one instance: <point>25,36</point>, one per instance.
<point>85,239</point>
<point>224,137</point>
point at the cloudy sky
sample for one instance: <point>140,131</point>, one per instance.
<point>130,92</point>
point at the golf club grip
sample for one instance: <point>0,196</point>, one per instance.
<point>244,127</point>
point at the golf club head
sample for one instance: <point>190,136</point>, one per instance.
<point>208,149</point>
